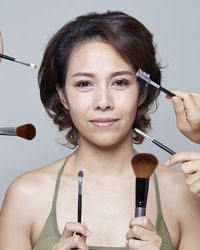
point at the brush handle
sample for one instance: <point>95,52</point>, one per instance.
<point>8,131</point>
<point>79,207</point>
<point>142,186</point>
<point>7,57</point>
<point>140,211</point>
<point>159,144</point>
<point>167,91</point>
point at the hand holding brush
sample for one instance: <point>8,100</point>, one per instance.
<point>142,232</point>
<point>75,233</point>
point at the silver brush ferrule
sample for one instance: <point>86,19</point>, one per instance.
<point>8,131</point>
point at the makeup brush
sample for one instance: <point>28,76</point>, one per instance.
<point>18,61</point>
<point>159,144</point>
<point>26,131</point>
<point>144,79</point>
<point>80,180</point>
<point>143,165</point>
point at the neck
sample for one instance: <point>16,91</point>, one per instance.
<point>107,161</point>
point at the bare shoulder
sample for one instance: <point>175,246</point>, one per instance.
<point>27,186</point>
<point>168,176</point>
<point>172,185</point>
<point>26,206</point>
<point>172,182</point>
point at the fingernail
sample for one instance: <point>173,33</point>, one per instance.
<point>176,101</point>
<point>167,163</point>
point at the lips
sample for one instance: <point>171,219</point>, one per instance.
<point>103,122</point>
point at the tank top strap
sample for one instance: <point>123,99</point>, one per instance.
<point>58,184</point>
<point>159,215</point>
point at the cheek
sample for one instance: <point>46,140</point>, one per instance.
<point>78,102</point>
<point>129,102</point>
<point>78,108</point>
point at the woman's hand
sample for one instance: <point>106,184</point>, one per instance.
<point>142,235</point>
<point>70,238</point>
<point>190,168</point>
<point>187,109</point>
<point>1,45</point>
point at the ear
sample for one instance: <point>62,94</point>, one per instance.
<point>62,96</point>
<point>142,98</point>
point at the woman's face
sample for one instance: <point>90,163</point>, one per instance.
<point>102,94</point>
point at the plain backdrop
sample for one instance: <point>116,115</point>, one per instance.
<point>27,26</point>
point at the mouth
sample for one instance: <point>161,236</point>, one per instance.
<point>104,122</point>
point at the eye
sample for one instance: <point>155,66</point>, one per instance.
<point>120,83</point>
<point>83,84</point>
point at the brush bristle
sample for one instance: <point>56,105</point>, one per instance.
<point>33,65</point>
<point>26,131</point>
<point>142,81</point>
<point>144,164</point>
<point>80,173</point>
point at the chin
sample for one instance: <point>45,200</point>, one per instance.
<point>107,142</point>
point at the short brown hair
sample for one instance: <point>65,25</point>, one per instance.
<point>126,34</point>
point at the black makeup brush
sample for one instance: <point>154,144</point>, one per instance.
<point>80,180</point>
<point>144,79</point>
<point>32,65</point>
<point>26,131</point>
<point>159,144</point>
<point>143,165</point>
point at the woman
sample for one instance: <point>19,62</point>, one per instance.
<point>88,86</point>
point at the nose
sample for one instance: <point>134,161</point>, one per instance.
<point>103,99</point>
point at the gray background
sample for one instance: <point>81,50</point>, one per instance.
<point>27,26</point>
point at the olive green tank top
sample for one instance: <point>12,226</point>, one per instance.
<point>50,234</point>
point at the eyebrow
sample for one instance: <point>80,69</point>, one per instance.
<point>117,73</point>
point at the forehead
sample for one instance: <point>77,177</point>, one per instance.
<point>96,56</point>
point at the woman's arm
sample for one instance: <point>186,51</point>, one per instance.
<point>15,218</point>
<point>189,220</point>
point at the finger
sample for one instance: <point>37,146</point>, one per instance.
<point>182,157</point>
<point>184,95</point>
<point>181,93</point>
<point>193,178</point>
<point>188,100</point>
<point>196,97</point>
<point>168,97</point>
<point>179,110</point>
<point>133,244</point>
<point>75,227</point>
<point>142,221</point>
<point>69,243</point>
<point>141,233</point>
<point>191,167</point>
<point>195,188</point>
